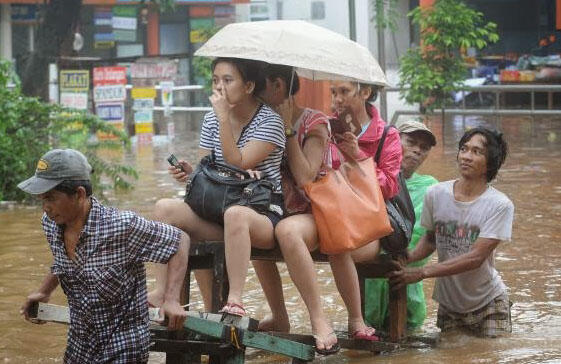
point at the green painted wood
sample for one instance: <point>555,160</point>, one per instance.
<point>205,327</point>
<point>278,345</point>
<point>344,341</point>
<point>250,338</point>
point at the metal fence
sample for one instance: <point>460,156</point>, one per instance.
<point>497,110</point>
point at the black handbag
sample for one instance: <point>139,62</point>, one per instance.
<point>213,187</point>
<point>401,212</point>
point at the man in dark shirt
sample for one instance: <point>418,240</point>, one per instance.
<point>99,254</point>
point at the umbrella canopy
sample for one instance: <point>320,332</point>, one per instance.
<point>316,53</point>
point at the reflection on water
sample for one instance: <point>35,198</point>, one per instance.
<point>530,265</point>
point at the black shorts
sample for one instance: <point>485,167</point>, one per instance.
<point>274,217</point>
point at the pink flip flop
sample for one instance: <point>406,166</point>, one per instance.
<point>233,309</point>
<point>367,333</point>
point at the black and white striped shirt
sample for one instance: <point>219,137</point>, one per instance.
<point>266,126</point>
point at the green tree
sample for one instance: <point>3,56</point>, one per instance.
<point>386,13</point>
<point>430,73</point>
<point>30,127</point>
<point>202,65</point>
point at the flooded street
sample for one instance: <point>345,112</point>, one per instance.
<point>530,265</point>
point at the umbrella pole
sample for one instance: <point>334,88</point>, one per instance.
<point>291,82</point>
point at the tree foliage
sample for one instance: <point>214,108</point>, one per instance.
<point>202,65</point>
<point>386,13</point>
<point>30,127</point>
<point>430,73</point>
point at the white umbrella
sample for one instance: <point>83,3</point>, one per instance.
<point>316,53</point>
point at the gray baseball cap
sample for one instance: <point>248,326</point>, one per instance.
<point>409,126</point>
<point>54,167</point>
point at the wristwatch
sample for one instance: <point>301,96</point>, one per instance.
<point>289,132</point>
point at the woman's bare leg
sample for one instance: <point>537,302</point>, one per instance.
<point>177,213</point>
<point>270,280</point>
<point>367,253</point>
<point>297,235</point>
<point>346,279</point>
<point>243,228</point>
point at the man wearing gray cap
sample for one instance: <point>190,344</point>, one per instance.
<point>99,254</point>
<point>416,143</point>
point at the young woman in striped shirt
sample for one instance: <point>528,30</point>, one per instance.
<point>243,132</point>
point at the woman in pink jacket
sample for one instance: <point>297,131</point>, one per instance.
<point>297,234</point>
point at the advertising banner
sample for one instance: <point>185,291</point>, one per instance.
<point>76,100</point>
<point>109,76</point>
<point>74,81</point>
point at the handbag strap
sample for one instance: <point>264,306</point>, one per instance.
<point>228,166</point>
<point>381,143</point>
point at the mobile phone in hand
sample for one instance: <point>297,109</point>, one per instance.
<point>172,159</point>
<point>345,122</point>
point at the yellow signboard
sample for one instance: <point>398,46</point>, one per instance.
<point>143,93</point>
<point>143,128</point>
<point>104,44</point>
<point>74,80</point>
<point>198,36</point>
<point>109,136</point>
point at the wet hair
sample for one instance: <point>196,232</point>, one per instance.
<point>496,146</point>
<point>373,96</point>
<point>250,70</point>
<point>285,73</point>
<point>69,187</point>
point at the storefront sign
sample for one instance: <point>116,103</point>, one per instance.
<point>24,13</point>
<point>74,80</point>
<point>109,93</point>
<point>198,36</point>
<point>165,70</point>
<point>104,44</point>
<point>76,100</point>
<point>201,23</point>
<point>224,11</point>
<point>109,75</point>
<point>201,11</point>
<point>166,93</point>
<point>143,116</point>
<point>111,112</point>
<point>124,35</point>
<point>143,93</point>
<point>102,17</point>
<point>143,104</point>
<point>125,11</point>
<point>106,136</point>
<point>120,22</point>
<point>104,37</point>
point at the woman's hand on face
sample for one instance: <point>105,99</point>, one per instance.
<point>348,143</point>
<point>220,104</point>
<point>286,110</point>
<point>179,174</point>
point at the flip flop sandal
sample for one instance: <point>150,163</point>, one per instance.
<point>233,309</point>
<point>364,334</point>
<point>332,350</point>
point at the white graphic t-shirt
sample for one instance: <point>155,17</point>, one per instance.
<point>457,225</point>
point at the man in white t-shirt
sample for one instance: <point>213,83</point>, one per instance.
<point>466,219</point>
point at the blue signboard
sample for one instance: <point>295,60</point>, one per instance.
<point>114,112</point>
<point>24,12</point>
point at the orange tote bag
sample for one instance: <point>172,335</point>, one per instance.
<point>348,207</point>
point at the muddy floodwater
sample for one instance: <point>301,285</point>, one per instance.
<point>530,265</point>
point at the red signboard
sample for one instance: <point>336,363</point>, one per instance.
<point>109,76</point>
<point>201,11</point>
